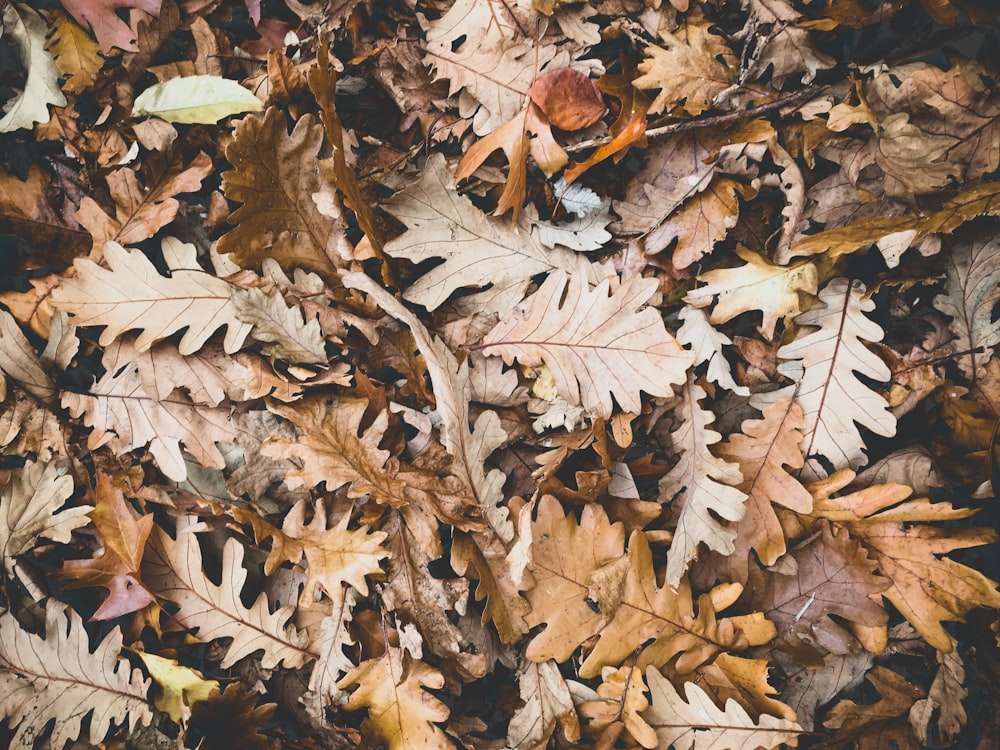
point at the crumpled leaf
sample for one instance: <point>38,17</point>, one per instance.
<point>26,30</point>
<point>598,343</point>
<point>58,678</point>
<point>172,569</point>
<point>274,176</point>
<point>29,506</point>
<point>880,724</point>
<point>334,556</point>
<point>702,488</point>
<point>946,693</point>
<point>620,697</point>
<point>142,207</point>
<point>757,285</point>
<point>131,295</point>
<point>833,399</point>
<point>400,711</point>
<point>20,361</point>
<point>695,723</point>
<point>195,99</point>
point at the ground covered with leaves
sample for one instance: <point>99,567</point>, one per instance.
<point>499,374</point>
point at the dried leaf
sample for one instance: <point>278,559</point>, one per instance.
<point>180,687</point>
<point>26,30</point>
<point>547,707</point>
<point>195,99</point>
<point>598,343</point>
<point>100,17</point>
<point>58,678</point>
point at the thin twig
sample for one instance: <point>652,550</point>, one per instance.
<point>795,98</point>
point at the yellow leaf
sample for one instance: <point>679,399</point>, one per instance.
<point>181,687</point>
<point>195,99</point>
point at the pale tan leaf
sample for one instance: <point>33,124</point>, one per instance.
<point>20,361</point>
<point>971,292</point>
<point>547,708</point>
<point>332,663</point>
<point>598,343</point>
<point>477,250</point>
<point>945,695</point>
<point>172,569</point>
<point>833,398</point>
<point>131,295</point>
<point>696,723</point>
<point>195,99</point>
<point>58,678</point>
<point>781,45</point>
<point>706,343</point>
<point>334,556</point>
<point>402,713</point>
<point>757,285</point>
<point>124,416</point>
<point>621,697</point>
<point>29,506</point>
<point>280,327</point>
<point>703,488</point>
<point>26,31</point>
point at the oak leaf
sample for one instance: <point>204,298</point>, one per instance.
<point>131,295</point>
<point>126,417</point>
<point>703,488</point>
<point>75,53</point>
<point>564,557</point>
<point>766,452</point>
<point>172,570</point>
<point>123,536</point>
<point>702,220</point>
<point>57,679</point>
<point>781,44</point>
<point>756,285</point>
<point>927,588</point>
<point>332,663</point>
<point>20,361</point>
<point>833,398</point>
<point>180,687</point>
<point>695,67</point>
<point>334,556</point>
<point>477,250</point>
<point>638,610</point>
<point>598,343</point>
<point>945,695</point>
<point>401,712</point>
<point>696,723</point>
<point>548,707</point>
<point>274,176</point>
<point>142,207</point>
<point>494,67</point>
<point>620,698</point>
<point>879,725</point>
<point>26,30</point>
<point>25,212</point>
<point>29,506</point>
<point>280,327</point>
<point>970,295</point>
<point>833,575</point>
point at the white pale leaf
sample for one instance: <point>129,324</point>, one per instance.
<point>26,30</point>
<point>702,487</point>
<point>706,342</point>
<point>57,678</point>
<point>195,99</point>
<point>173,570</point>
<point>835,401</point>
<point>131,295</point>
<point>598,343</point>
<point>28,510</point>
<point>696,723</point>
